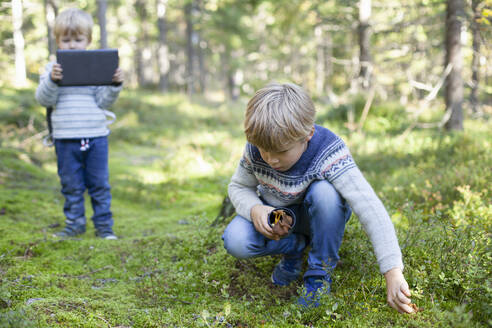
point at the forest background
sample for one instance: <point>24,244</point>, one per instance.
<point>405,83</point>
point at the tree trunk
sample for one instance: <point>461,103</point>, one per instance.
<point>189,47</point>
<point>476,57</point>
<point>328,51</point>
<point>226,212</point>
<point>454,81</point>
<point>51,11</point>
<point>163,50</point>
<point>102,6</point>
<point>200,45</point>
<point>143,55</point>
<point>364,31</point>
<point>320,61</point>
<point>229,75</point>
<point>201,65</point>
<point>20,79</point>
<point>323,59</point>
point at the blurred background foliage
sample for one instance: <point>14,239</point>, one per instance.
<point>227,48</point>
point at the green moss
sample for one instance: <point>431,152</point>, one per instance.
<point>170,162</point>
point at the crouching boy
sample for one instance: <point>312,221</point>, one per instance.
<point>292,163</point>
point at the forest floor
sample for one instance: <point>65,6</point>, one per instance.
<point>170,162</point>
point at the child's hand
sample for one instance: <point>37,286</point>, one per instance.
<point>56,72</point>
<point>118,76</point>
<point>259,216</point>
<point>398,293</point>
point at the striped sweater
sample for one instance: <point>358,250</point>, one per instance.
<point>80,112</point>
<point>326,157</point>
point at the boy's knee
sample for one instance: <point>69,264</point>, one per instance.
<point>324,200</point>
<point>235,242</point>
<point>235,247</point>
<point>322,191</point>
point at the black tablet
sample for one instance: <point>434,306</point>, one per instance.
<point>87,67</point>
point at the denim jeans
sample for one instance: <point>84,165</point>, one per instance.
<point>85,169</point>
<point>321,217</point>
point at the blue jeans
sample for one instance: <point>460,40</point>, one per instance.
<point>80,170</point>
<point>321,217</point>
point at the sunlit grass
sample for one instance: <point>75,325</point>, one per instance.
<point>171,159</point>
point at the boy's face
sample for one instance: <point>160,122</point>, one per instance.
<point>73,42</point>
<point>287,157</point>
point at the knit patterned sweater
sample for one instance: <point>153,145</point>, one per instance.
<point>326,157</point>
<point>80,112</point>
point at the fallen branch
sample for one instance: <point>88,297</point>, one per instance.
<point>427,100</point>
<point>174,298</point>
<point>366,109</point>
<point>37,136</point>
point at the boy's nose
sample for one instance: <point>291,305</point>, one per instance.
<point>271,159</point>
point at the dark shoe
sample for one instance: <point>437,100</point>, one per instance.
<point>315,286</point>
<point>286,271</point>
<point>109,235</point>
<point>70,231</point>
<point>289,268</point>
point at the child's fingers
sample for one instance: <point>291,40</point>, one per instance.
<point>118,77</point>
<point>402,298</point>
<point>404,308</point>
<point>405,290</point>
<point>268,231</point>
<point>399,306</point>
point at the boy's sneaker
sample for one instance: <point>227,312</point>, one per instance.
<point>287,270</point>
<point>109,235</point>
<point>289,267</point>
<point>315,286</point>
<point>70,231</point>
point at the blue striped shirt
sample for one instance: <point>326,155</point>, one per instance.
<point>79,111</point>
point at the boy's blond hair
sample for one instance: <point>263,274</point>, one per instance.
<point>278,115</point>
<point>73,21</point>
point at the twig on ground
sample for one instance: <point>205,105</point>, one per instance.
<point>177,299</point>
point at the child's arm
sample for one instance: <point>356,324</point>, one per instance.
<point>376,222</point>
<point>107,95</point>
<point>242,192</point>
<point>374,218</point>
<point>47,91</point>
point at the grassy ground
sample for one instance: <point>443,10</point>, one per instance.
<point>170,161</point>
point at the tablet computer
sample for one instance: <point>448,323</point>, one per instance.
<point>87,67</point>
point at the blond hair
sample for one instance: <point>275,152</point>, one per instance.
<point>73,21</point>
<point>278,115</point>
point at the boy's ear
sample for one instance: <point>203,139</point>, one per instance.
<point>310,134</point>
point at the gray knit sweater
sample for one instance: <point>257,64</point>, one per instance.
<point>326,157</point>
<point>80,112</point>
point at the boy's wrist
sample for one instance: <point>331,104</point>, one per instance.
<point>254,211</point>
<point>391,273</point>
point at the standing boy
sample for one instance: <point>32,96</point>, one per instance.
<point>80,131</point>
<point>291,162</point>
